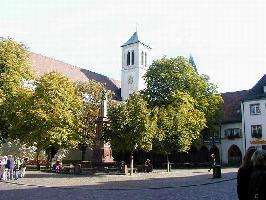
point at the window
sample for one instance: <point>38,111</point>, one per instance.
<point>132,57</point>
<point>128,58</point>
<point>264,88</point>
<point>255,109</point>
<point>256,131</point>
<point>232,133</point>
<point>145,59</point>
<point>142,57</point>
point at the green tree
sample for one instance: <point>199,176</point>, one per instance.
<point>91,92</point>
<point>15,71</point>
<point>179,124</point>
<point>50,121</point>
<point>131,126</point>
<point>187,102</point>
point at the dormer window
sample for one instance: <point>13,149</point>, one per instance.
<point>128,58</point>
<point>255,109</point>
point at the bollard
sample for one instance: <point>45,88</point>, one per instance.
<point>217,171</point>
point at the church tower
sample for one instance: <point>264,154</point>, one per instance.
<point>135,56</point>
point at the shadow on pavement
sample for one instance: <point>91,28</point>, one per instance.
<point>150,188</point>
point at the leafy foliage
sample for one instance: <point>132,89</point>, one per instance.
<point>186,100</point>
<point>179,124</point>
<point>16,148</point>
<point>15,68</point>
<point>131,125</point>
<point>92,93</point>
<point>52,112</point>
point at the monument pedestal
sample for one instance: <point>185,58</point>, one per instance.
<point>102,153</point>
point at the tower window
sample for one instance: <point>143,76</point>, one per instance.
<point>145,59</point>
<point>132,58</point>
<point>128,58</point>
<point>142,57</point>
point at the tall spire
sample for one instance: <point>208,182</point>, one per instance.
<point>133,39</point>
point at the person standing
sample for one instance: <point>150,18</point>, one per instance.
<point>244,174</point>
<point>257,184</point>
<point>17,167</point>
<point>23,167</point>
<point>10,167</point>
<point>4,168</point>
<point>213,161</point>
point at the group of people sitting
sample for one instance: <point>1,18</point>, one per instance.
<point>12,168</point>
<point>251,176</point>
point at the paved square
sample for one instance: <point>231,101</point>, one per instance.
<point>184,184</point>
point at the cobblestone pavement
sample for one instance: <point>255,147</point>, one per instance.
<point>187,184</point>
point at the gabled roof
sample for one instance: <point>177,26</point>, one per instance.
<point>257,92</point>
<point>231,106</point>
<point>134,39</point>
<point>43,64</point>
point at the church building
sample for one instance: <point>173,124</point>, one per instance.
<point>243,111</point>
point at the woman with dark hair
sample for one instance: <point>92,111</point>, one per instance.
<point>257,184</point>
<point>244,174</point>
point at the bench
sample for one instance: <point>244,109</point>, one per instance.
<point>69,169</point>
<point>135,170</point>
<point>170,165</point>
<point>111,169</point>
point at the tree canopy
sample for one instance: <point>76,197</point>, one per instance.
<point>179,124</point>
<point>131,125</point>
<point>91,93</point>
<point>52,113</point>
<point>15,70</point>
<point>187,101</point>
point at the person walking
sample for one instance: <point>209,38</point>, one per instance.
<point>257,184</point>
<point>244,174</point>
<point>213,162</point>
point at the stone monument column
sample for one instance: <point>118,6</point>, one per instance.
<point>102,152</point>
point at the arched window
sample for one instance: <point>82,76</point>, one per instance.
<point>142,57</point>
<point>132,58</point>
<point>128,58</point>
<point>145,59</point>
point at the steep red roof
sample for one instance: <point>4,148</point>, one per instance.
<point>232,106</point>
<point>43,64</point>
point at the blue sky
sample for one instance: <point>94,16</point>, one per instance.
<point>226,37</point>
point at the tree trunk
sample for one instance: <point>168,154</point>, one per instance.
<point>37,161</point>
<point>83,152</point>
<point>48,158</point>
<point>168,163</point>
<point>131,163</point>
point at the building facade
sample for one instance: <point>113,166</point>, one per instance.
<point>254,116</point>
<point>244,112</point>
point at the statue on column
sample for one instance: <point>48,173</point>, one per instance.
<point>102,152</point>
